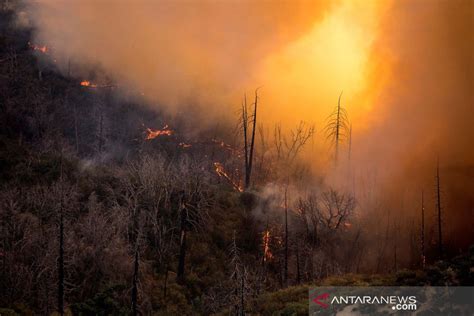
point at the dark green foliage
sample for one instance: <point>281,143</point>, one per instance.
<point>103,303</point>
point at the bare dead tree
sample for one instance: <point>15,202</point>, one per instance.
<point>350,142</point>
<point>61,245</point>
<point>337,126</point>
<point>335,208</point>
<point>298,270</point>
<point>76,131</point>
<point>61,263</point>
<point>182,242</point>
<point>396,232</point>
<point>285,273</point>
<point>439,209</point>
<point>289,148</point>
<point>136,266</point>
<point>422,232</point>
<point>249,126</point>
<point>238,278</point>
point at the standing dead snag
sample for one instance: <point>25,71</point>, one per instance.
<point>249,148</point>
<point>61,263</point>
<point>135,283</point>
<point>337,126</point>
<point>182,241</point>
<point>350,143</point>
<point>285,274</point>
<point>423,257</point>
<point>438,208</point>
<point>61,243</point>
<point>238,278</point>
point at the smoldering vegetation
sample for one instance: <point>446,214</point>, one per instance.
<point>109,207</point>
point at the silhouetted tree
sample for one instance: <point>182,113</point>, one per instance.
<point>439,209</point>
<point>249,125</point>
<point>336,128</point>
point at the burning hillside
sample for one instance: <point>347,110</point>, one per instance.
<point>149,167</point>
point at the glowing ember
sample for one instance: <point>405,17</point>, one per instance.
<point>152,134</point>
<point>267,255</point>
<point>221,172</point>
<point>40,48</point>
<point>86,83</point>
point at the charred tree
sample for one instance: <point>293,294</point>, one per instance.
<point>249,126</point>
<point>238,278</point>
<point>285,273</point>
<point>61,243</point>
<point>242,293</point>
<point>439,209</point>
<point>61,264</point>
<point>336,129</point>
<point>182,242</point>
<point>165,285</point>
<point>422,233</point>
<point>76,132</point>
<point>298,271</point>
<point>350,143</point>
<point>135,282</point>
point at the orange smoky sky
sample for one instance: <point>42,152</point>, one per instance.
<point>406,67</point>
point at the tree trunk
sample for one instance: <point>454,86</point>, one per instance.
<point>76,133</point>
<point>423,258</point>
<point>285,274</point>
<point>438,207</point>
<point>298,272</point>
<point>182,245</point>
<point>252,141</point>
<point>61,265</point>
<point>135,284</point>
<point>242,292</point>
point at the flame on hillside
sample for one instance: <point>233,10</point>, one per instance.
<point>221,172</point>
<point>267,254</point>
<point>152,134</point>
<point>86,83</point>
<point>39,48</point>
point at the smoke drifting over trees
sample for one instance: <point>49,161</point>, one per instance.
<point>133,181</point>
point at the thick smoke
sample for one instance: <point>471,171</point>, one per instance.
<point>406,69</point>
<point>174,52</point>
<point>424,110</point>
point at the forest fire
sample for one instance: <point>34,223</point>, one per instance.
<point>221,172</point>
<point>152,134</point>
<point>267,255</point>
<point>312,143</point>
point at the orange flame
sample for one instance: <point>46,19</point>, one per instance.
<point>152,134</point>
<point>86,83</point>
<point>221,172</point>
<point>267,255</point>
<point>40,48</point>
